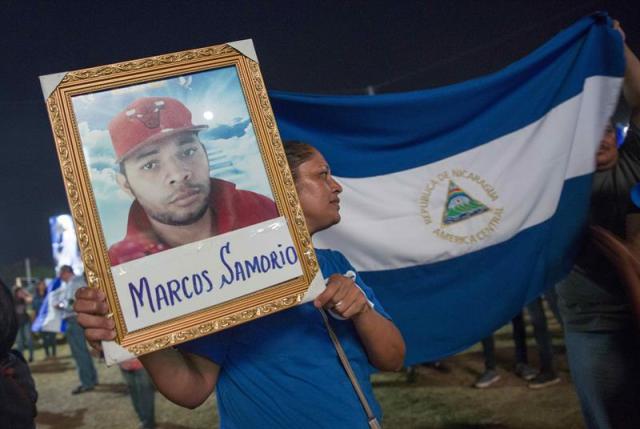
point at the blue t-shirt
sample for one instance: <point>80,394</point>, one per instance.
<point>282,371</point>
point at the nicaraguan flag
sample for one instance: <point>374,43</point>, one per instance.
<point>49,318</point>
<point>463,203</point>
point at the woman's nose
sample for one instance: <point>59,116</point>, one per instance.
<point>336,187</point>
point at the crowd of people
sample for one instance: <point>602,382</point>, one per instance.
<point>295,378</point>
<point>19,307</point>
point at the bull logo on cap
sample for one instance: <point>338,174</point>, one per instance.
<point>147,120</point>
<point>148,114</point>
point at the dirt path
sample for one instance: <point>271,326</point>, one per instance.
<point>444,399</point>
<point>108,406</point>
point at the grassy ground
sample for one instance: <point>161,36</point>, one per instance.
<point>437,399</point>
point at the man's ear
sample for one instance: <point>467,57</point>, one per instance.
<point>124,184</point>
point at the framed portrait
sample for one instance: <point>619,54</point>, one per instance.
<point>185,210</point>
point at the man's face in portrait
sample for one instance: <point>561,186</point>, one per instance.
<point>169,178</point>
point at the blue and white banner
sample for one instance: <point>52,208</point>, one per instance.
<point>49,318</point>
<point>64,243</point>
<point>463,203</point>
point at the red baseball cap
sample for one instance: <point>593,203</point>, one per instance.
<point>147,120</point>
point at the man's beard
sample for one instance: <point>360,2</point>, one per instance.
<point>168,218</point>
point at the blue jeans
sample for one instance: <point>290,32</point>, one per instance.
<point>84,363</point>
<point>24,339</point>
<point>49,343</point>
<point>541,335</point>
<point>605,367</point>
<point>142,393</point>
<point>540,332</point>
<point>551,296</point>
<point>519,338</point>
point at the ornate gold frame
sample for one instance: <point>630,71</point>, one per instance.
<point>83,205</point>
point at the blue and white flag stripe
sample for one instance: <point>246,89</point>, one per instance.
<point>393,132</point>
<point>513,166</point>
<point>463,203</point>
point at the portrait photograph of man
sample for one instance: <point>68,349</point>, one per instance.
<point>172,162</point>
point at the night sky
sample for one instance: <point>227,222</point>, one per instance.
<point>303,46</point>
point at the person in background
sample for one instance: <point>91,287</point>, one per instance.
<point>75,334</point>
<point>22,300</point>
<point>521,369</point>
<point>48,338</point>
<point>547,375</point>
<point>603,345</point>
<point>18,394</point>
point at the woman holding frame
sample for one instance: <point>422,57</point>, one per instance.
<point>282,370</point>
